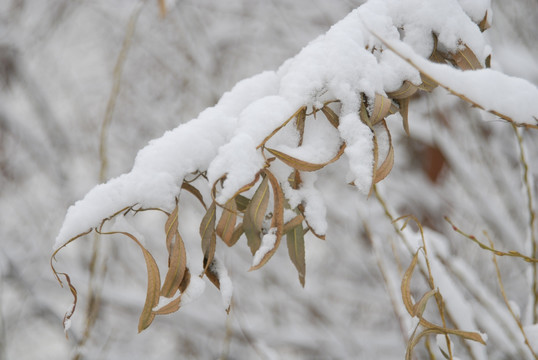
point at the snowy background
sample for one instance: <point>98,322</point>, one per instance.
<point>56,74</point>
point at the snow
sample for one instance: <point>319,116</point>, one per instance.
<point>226,286</point>
<point>268,243</point>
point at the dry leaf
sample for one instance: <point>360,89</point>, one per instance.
<point>302,165</point>
<point>255,214</point>
<point>296,251</point>
<point>226,225</point>
<point>208,234</point>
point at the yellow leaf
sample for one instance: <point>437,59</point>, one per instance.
<point>387,164</point>
<point>381,108</point>
<point>406,286</point>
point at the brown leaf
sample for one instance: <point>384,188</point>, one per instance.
<point>404,111</point>
<point>302,165</point>
<point>404,92</point>
<point>175,304</point>
<point>277,220</point>
<point>296,221</point>
<point>387,164</point>
<point>194,191</point>
<point>255,214</point>
<point>225,227</point>
<point>296,251</point>
<point>331,116</point>
<point>299,123</point>
<point>466,59</point>
<point>484,24</point>
<point>176,268</point>
<point>381,108</point>
<point>208,234</point>
<point>406,286</point>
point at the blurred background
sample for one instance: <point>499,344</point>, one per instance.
<point>58,62</point>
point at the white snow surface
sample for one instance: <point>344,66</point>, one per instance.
<point>341,64</point>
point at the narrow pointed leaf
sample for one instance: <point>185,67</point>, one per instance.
<point>208,234</point>
<point>404,111</point>
<point>331,116</point>
<point>194,191</point>
<point>238,231</point>
<point>484,24</point>
<point>226,225</point>
<point>296,251</point>
<point>300,122</point>
<point>381,108</point>
<point>406,286</point>
<point>175,304</point>
<point>277,221</point>
<point>302,165</point>
<point>213,275</point>
<point>176,268</point>
<point>385,168</point>
<point>255,214</point>
<point>296,221</point>
<point>420,306</point>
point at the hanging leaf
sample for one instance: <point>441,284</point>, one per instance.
<point>255,214</point>
<point>387,164</point>
<point>406,286</point>
<point>170,228</point>
<point>225,227</point>
<point>296,221</point>
<point>241,202</point>
<point>175,304</point>
<point>304,165</point>
<point>208,234</point>
<point>277,221</point>
<point>212,274</point>
<point>299,123</point>
<point>238,231</point>
<point>194,191</point>
<point>296,251</point>
<point>404,111</point>
<point>176,268</point>
<point>331,116</point>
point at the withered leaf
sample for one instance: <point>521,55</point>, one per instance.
<point>226,225</point>
<point>381,108</point>
<point>331,116</point>
<point>208,234</point>
<point>255,214</point>
<point>299,123</point>
<point>302,165</point>
<point>176,268</point>
<point>466,59</point>
<point>404,92</point>
<point>385,168</point>
<point>241,202</point>
<point>277,221</point>
<point>194,191</point>
<point>296,251</point>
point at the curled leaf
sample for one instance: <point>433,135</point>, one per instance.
<point>302,165</point>
<point>381,108</point>
<point>466,59</point>
<point>331,116</point>
<point>405,91</point>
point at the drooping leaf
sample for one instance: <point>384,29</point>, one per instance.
<point>255,214</point>
<point>208,234</point>
<point>305,165</point>
<point>296,221</point>
<point>381,108</point>
<point>277,221</point>
<point>175,304</point>
<point>299,123</point>
<point>406,286</point>
<point>331,116</point>
<point>170,228</point>
<point>296,251</point>
<point>226,225</point>
<point>385,168</point>
<point>176,268</point>
<point>238,231</point>
<point>194,191</point>
<point>212,274</point>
